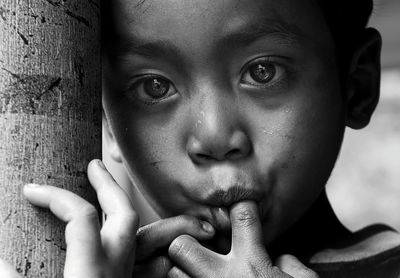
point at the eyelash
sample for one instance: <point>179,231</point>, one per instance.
<point>139,81</point>
<point>278,66</point>
<point>133,89</point>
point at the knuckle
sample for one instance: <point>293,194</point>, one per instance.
<point>88,211</point>
<point>282,260</point>
<point>305,273</point>
<point>188,220</point>
<point>173,272</point>
<point>275,271</point>
<point>176,272</point>
<point>85,215</point>
<point>184,218</point>
<point>180,246</point>
<point>85,210</point>
<point>290,264</point>
<point>245,217</point>
<point>308,273</point>
<point>188,224</point>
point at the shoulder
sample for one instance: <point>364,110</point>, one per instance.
<point>371,252</point>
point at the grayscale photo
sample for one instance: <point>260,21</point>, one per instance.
<point>199,138</point>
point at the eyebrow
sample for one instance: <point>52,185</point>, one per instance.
<point>279,32</point>
<point>151,48</point>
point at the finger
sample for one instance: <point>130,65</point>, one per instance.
<point>246,227</point>
<point>193,258</point>
<point>292,266</point>
<point>155,268</point>
<point>82,234</point>
<point>119,230</point>
<point>151,238</point>
<point>7,271</point>
<point>176,272</point>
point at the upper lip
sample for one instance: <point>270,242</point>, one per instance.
<point>225,198</point>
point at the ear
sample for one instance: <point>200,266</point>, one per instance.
<point>111,143</point>
<point>363,81</point>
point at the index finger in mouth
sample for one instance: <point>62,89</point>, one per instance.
<point>246,225</point>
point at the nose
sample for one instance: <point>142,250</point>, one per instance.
<point>213,148</point>
<point>218,134</point>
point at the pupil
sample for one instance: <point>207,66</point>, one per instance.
<point>262,73</point>
<point>156,87</point>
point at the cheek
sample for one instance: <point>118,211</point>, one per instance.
<point>146,139</point>
<point>299,143</point>
<point>151,153</point>
<point>308,128</point>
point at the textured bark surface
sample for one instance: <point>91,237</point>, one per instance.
<point>50,120</point>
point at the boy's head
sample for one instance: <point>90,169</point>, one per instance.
<point>213,102</point>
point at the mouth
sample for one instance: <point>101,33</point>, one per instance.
<point>219,218</point>
<point>226,198</point>
<point>218,205</point>
<point>224,185</point>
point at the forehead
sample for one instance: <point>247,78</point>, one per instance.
<point>210,19</point>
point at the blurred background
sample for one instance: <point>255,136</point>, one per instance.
<point>365,185</point>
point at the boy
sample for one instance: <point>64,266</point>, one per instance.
<point>232,114</point>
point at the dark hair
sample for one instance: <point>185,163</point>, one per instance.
<point>347,20</point>
<point>106,24</point>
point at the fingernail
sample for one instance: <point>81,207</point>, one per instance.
<point>101,164</point>
<point>32,185</point>
<point>207,227</point>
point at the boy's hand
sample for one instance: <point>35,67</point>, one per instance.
<point>154,239</point>
<point>248,257</point>
<point>91,251</point>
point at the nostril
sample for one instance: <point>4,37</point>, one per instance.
<point>212,149</point>
<point>233,154</point>
<point>204,156</point>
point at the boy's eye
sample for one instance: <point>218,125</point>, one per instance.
<point>152,89</point>
<point>156,87</point>
<point>262,73</point>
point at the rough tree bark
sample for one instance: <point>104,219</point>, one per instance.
<point>50,120</point>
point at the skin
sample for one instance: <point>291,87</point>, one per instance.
<point>215,132</point>
<point>110,251</point>
<point>245,156</point>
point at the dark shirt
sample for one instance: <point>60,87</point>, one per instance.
<point>320,241</point>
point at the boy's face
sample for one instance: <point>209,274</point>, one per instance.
<point>213,102</point>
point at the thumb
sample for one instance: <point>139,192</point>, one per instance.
<point>7,271</point>
<point>246,227</point>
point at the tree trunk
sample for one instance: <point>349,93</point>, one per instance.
<point>50,120</point>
